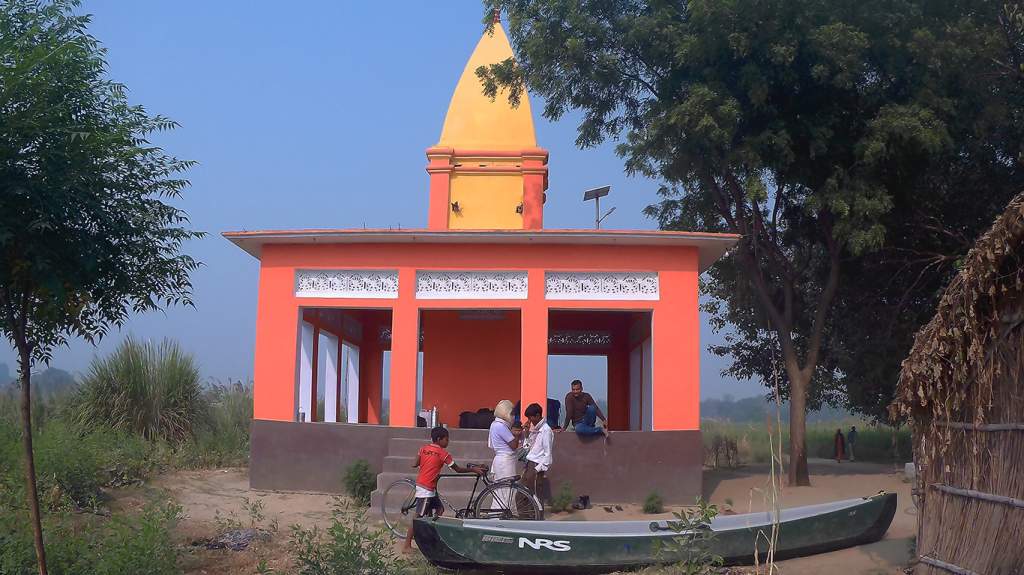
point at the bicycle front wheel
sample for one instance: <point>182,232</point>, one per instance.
<point>398,505</point>
<point>507,500</point>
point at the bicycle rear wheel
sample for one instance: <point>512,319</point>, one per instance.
<point>507,500</point>
<point>398,505</point>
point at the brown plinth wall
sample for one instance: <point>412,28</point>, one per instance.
<point>291,456</point>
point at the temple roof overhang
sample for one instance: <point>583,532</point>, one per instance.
<point>710,246</point>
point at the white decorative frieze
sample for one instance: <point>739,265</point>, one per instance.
<point>471,284</point>
<point>601,286</point>
<point>347,283</point>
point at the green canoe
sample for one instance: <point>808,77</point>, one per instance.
<point>596,546</point>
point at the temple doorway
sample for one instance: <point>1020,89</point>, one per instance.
<point>621,340</point>
<point>471,360</point>
<point>341,365</point>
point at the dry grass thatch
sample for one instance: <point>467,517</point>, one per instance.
<point>961,388</point>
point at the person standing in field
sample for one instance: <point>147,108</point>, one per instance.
<point>840,445</point>
<point>851,441</point>
<point>582,412</point>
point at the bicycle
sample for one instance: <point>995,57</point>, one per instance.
<point>502,499</point>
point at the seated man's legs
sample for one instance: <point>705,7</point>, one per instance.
<point>589,424</point>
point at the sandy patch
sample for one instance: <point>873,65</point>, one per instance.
<point>208,495</point>
<point>746,488</point>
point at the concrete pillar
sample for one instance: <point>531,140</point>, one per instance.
<point>351,369</point>
<point>332,377</point>
<point>278,334</point>
<point>307,367</point>
<point>676,351</point>
<point>534,386</point>
<point>535,181</point>
<point>439,167</point>
<point>404,350</point>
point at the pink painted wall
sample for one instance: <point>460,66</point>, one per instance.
<point>469,363</point>
<point>675,316</point>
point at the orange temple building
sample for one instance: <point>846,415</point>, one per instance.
<point>357,329</point>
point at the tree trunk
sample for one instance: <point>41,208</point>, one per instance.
<point>798,380</point>
<point>25,365</point>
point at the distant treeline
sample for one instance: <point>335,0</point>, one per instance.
<point>49,381</point>
<point>755,409</point>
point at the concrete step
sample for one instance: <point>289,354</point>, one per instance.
<point>469,450</point>
<point>403,463</point>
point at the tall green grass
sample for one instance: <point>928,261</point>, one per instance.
<point>874,442</point>
<point>221,438</point>
<point>138,411</point>
<point>150,390</point>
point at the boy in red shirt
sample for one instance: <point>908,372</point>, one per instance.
<point>431,460</point>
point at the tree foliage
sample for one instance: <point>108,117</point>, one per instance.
<point>826,135</point>
<point>88,233</point>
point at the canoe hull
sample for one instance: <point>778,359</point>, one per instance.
<point>574,547</point>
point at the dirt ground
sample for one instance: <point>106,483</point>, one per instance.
<point>213,498</point>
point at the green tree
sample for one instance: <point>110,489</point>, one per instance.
<point>790,122</point>
<point>86,234</point>
<point>940,205</point>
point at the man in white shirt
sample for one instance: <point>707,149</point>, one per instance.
<point>539,458</point>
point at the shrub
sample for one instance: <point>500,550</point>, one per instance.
<point>150,390</point>
<point>350,546</point>
<point>562,501</point>
<point>72,467</point>
<point>689,551</point>
<point>360,481</point>
<point>139,544</point>
<point>654,503</point>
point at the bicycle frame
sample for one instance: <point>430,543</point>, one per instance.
<point>472,495</point>
<point>470,503</point>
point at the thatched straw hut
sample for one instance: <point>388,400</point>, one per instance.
<point>962,387</point>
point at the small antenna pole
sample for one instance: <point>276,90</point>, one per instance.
<point>596,194</point>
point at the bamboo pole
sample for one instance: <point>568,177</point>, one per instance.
<point>945,566</point>
<point>1013,502</point>
<point>981,426</point>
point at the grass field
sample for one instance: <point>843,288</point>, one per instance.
<point>880,444</point>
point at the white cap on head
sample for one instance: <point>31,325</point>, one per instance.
<point>503,411</point>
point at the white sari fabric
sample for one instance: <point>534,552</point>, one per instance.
<point>502,467</point>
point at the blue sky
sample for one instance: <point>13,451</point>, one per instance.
<point>314,115</point>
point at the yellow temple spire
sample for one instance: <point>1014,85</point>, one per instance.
<point>474,121</point>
